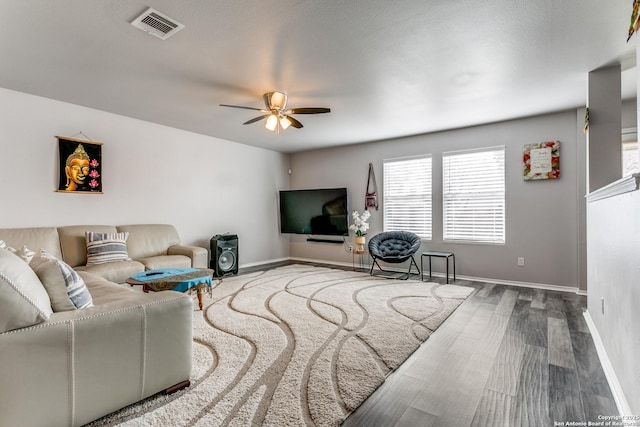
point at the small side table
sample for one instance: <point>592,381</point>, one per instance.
<point>437,254</point>
<point>363,253</point>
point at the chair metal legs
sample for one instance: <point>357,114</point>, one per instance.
<point>411,263</point>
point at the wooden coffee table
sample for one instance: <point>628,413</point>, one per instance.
<point>175,279</point>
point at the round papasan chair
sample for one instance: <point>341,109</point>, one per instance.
<point>394,247</point>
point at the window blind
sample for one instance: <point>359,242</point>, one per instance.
<point>473,195</point>
<point>407,195</point>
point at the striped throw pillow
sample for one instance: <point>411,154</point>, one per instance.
<point>66,289</point>
<point>106,247</point>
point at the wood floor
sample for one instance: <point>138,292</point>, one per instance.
<point>508,356</point>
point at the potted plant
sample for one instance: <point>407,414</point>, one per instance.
<point>360,226</point>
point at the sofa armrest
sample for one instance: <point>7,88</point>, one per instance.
<point>125,349</point>
<point>199,256</point>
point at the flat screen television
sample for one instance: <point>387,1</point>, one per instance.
<point>318,211</point>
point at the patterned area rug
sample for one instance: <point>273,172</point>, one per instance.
<point>296,346</point>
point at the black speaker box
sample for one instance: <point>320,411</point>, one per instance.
<point>224,254</point>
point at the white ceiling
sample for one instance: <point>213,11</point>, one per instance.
<point>386,68</point>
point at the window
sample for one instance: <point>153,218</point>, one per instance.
<point>473,195</point>
<point>407,195</point>
<point>630,157</point>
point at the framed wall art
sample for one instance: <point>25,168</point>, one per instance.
<point>80,166</point>
<point>541,161</point>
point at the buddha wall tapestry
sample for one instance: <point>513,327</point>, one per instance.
<point>80,166</point>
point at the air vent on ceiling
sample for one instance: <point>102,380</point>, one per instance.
<point>157,24</point>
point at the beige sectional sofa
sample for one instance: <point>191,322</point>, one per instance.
<point>150,246</point>
<point>68,368</point>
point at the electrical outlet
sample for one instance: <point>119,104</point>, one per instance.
<point>520,262</point>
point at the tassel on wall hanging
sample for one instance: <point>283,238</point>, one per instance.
<point>371,198</point>
<point>585,129</point>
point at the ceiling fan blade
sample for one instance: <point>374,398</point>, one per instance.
<point>296,124</point>
<point>256,119</point>
<point>308,110</point>
<point>243,107</point>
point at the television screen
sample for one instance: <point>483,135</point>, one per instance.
<point>320,211</point>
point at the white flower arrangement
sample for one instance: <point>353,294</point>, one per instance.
<point>360,224</point>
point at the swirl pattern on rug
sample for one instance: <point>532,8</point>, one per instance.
<point>296,346</point>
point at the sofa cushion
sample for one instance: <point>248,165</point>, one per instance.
<point>103,290</point>
<point>23,299</point>
<point>116,272</point>
<point>36,237</point>
<point>148,240</point>
<point>103,248</point>
<point>24,253</point>
<point>66,289</point>
<point>73,242</point>
<point>166,261</point>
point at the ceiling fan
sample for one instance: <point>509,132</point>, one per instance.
<point>277,115</point>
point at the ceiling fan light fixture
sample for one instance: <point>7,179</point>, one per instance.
<point>272,122</point>
<point>277,100</point>
<point>284,122</point>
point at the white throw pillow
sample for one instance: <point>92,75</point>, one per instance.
<point>23,299</point>
<point>24,253</point>
<point>106,247</point>
<point>65,287</point>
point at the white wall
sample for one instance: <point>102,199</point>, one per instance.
<point>613,271</point>
<point>151,174</point>
<point>542,223</point>
<point>614,286</point>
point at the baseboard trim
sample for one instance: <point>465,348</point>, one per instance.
<point>266,262</point>
<point>546,287</point>
<point>543,286</point>
<point>612,379</point>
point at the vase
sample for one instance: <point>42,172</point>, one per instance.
<point>360,241</point>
